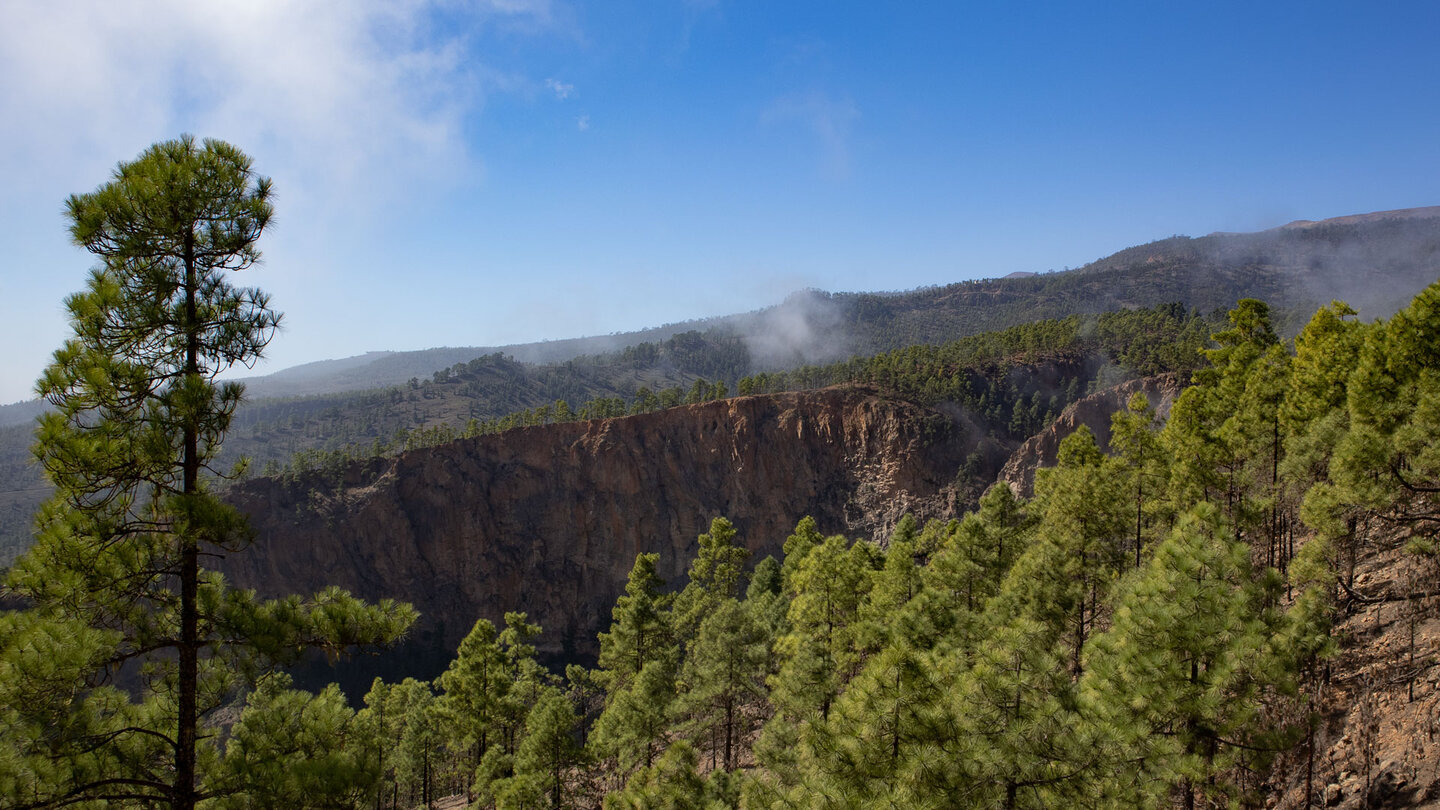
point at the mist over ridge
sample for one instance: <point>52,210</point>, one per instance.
<point>1374,261</point>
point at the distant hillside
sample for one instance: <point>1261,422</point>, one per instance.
<point>20,413</point>
<point>379,369</point>
<point>1374,261</point>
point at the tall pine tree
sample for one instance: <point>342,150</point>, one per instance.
<point>138,416</point>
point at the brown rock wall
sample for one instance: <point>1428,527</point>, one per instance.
<point>549,519</point>
<point>1095,411</point>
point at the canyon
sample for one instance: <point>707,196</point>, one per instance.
<point>549,519</point>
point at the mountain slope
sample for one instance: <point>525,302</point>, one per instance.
<point>1375,261</point>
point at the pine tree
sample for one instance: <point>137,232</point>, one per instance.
<point>636,720</point>
<point>1205,465</point>
<point>980,549</point>
<point>890,591</point>
<point>766,601</point>
<point>296,750</point>
<point>955,586</point>
<point>640,630</point>
<point>816,656</point>
<point>724,679</point>
<point>965,573</point>
<point>1013,743</point>
<point>1063,578</point>
<point>412,704</point>
<point>1135,445</point>
<point>638,662</point>
<point>549,750</point>
<point>137,422</point>
<point>672,783</point>
<point>1179,675</point>
<point>805,537</point>
<point>524,676</point>
<point>473,687</point>
<point>1388,462</point>
<point>379,732</point>
<point>818,653</point>
<point>1326,352</point>
<point>1253,432</point>
<point>715,575</point>
<point>885,718</point>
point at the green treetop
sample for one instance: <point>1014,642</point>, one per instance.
<point>715,575</point>
<point>640,630</point>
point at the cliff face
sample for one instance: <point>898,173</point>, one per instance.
<point>549,519</point>
<point>1094,411</point>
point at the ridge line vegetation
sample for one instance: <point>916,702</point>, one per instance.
<point>1087,352</point>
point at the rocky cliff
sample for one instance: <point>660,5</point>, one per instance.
<point>549,519</point>
<point>1094,411</point>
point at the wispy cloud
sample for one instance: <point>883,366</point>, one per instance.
<point>828,120</point>
<point>583,123</point>
<point>561,89</point>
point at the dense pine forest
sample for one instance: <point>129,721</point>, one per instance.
<point>1151,629</point>
<point>1148,630</point>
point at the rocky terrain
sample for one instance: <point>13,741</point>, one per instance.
<point>549,519</point>
<point>1378,742</point>
<point>1093,411</point>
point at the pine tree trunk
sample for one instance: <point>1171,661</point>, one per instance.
<point>1310,766</point>
<point>729,734</point>
<point>555,775</point>
<point>1276,543</point>
<point>189,663</point>
<point>380,766</point>
<point>895,744</point>
<point>1139,511</point>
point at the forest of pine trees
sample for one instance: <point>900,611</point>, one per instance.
<point>1149,630</point>
<point>1145,632</point>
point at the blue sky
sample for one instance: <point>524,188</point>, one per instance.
<point>502,171</point>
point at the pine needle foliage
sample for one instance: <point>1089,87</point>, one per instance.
<point>138,419</point>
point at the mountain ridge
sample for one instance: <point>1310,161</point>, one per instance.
<point>794,310</point>
<point>380,368</point>
<point>1374,261</point>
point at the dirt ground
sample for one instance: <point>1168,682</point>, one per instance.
<point>1378,745</point>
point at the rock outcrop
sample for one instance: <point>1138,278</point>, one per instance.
<point>1093,411</point>
<point>549,519</point>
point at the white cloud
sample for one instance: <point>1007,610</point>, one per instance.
<point>583,123</point>
<point>828,119</point>
<point>326,93</point>
<point>358,109</point>
<point>561,89</point>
